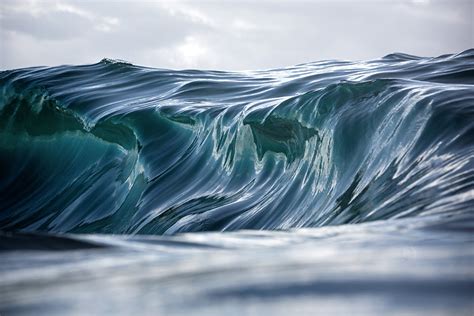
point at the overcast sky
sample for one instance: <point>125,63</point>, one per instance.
<point>228,35</point>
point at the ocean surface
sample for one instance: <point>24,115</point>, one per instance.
<point>325,188</point>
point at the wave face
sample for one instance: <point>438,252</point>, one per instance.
<point>117,148</point>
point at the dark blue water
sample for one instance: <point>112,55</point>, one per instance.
<point>328,187</point>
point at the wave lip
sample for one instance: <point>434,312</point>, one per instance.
<point>118,148</point>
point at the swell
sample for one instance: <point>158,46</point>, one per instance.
<point>118,148</point>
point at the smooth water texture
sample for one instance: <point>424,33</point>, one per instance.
<point>328,187</point>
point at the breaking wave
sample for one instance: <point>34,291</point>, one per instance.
<point>118,148</point>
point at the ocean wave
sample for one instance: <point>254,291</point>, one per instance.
<point>118,148</point>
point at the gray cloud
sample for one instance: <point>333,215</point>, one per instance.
<point>228,34</point>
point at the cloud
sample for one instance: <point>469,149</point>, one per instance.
<point>228,34</point>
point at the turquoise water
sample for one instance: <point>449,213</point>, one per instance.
<point>328,187</point>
